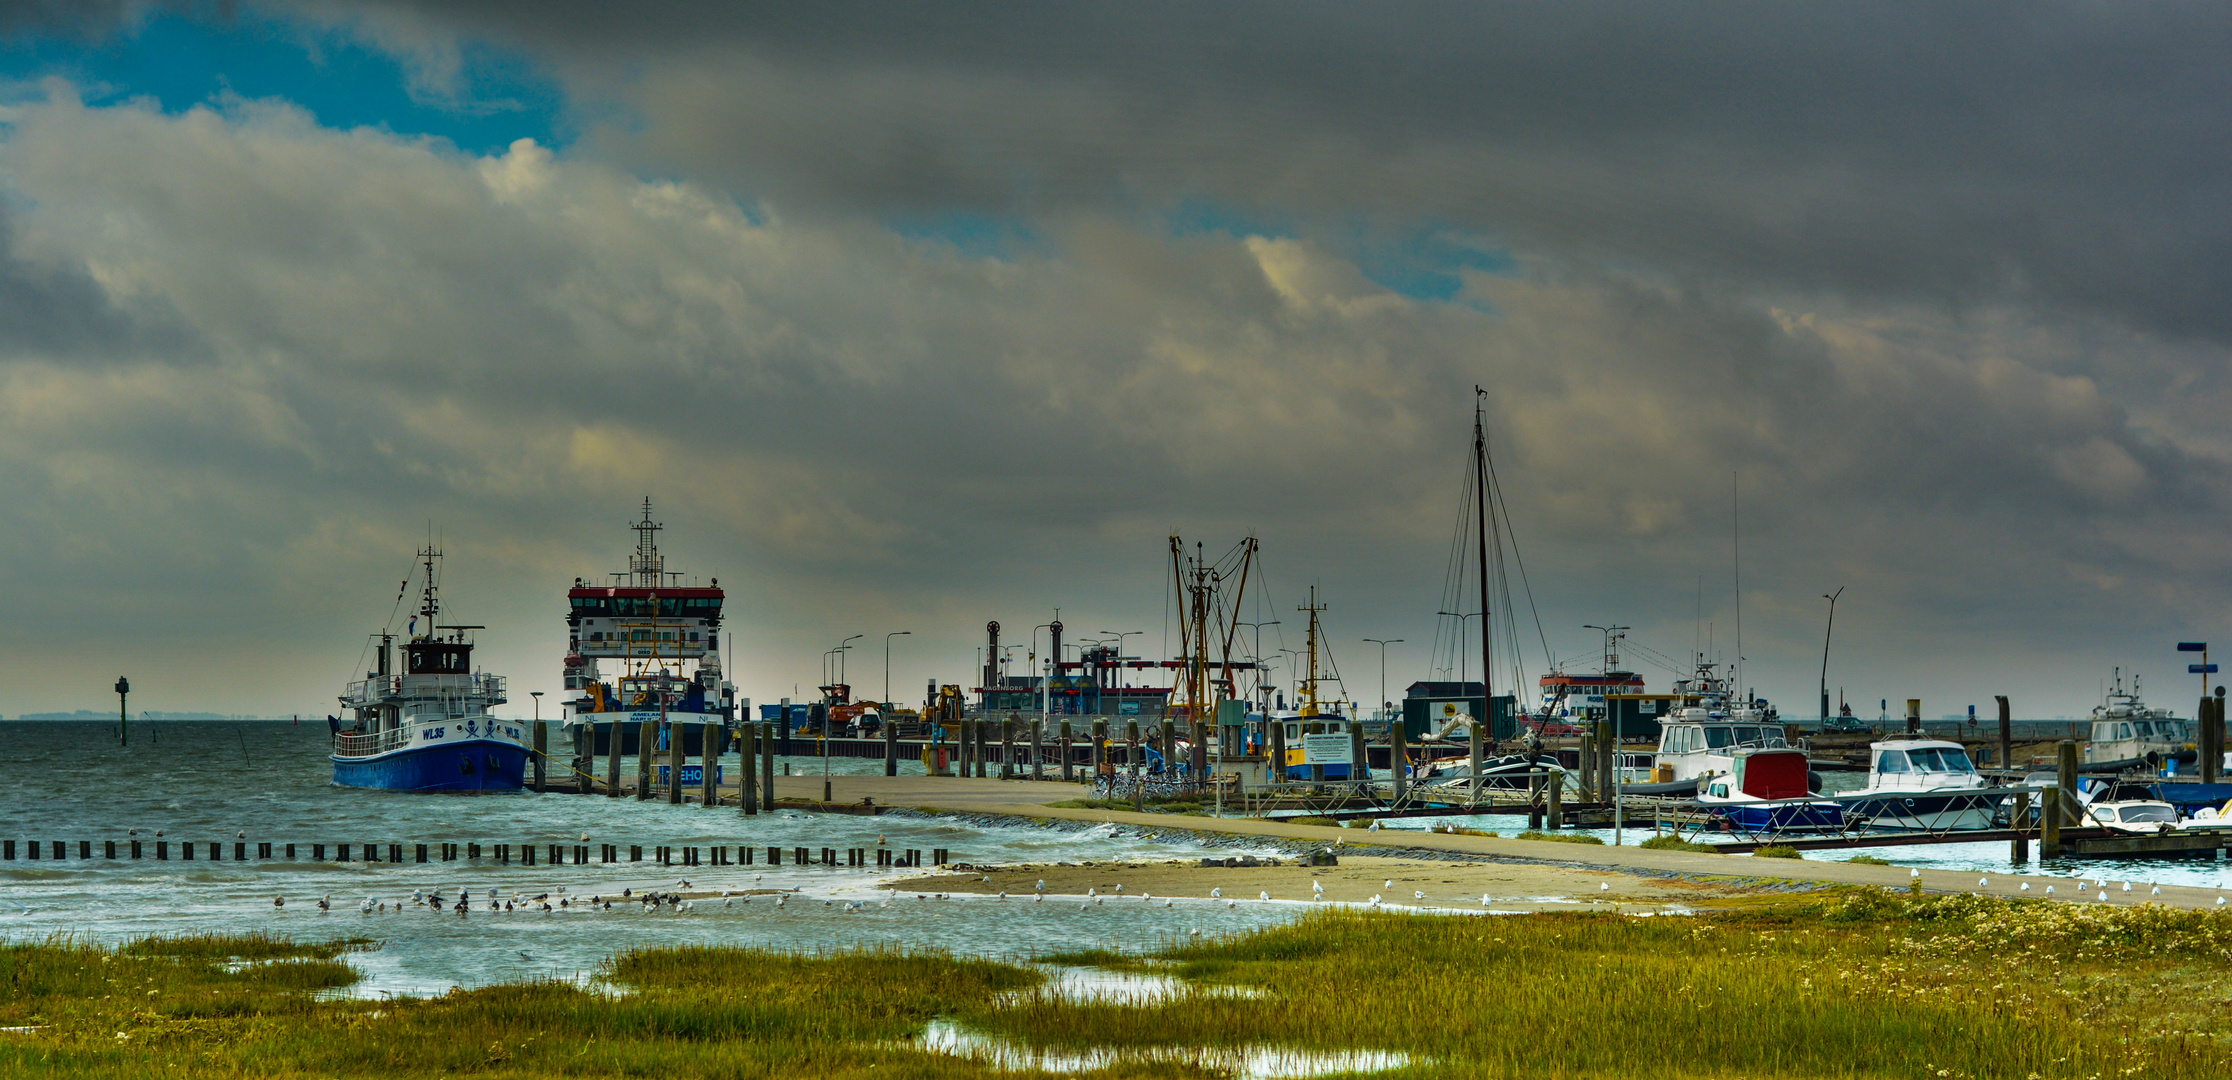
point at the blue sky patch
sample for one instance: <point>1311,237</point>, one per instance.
<point>182,62</point>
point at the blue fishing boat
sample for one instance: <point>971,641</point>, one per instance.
<point>427,727</point>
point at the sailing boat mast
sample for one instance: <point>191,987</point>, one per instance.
<point>1480,510</point>
<point>1310,685</point>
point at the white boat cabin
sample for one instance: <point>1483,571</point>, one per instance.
<point>1920,765</point>
<point>1704,745</point>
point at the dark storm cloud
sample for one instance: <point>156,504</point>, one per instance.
<point>2073,155</point>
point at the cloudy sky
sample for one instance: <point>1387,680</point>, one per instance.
<point>912,317</point>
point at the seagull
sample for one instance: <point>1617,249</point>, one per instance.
<point>418,896</point>
<point>2080,886</point>
<point>1374,902</point>
<point>1038,898</point>
<point>1216,894</point>
<point>1003,895</point>
<point>685,883</point>
<point>1983,881</point>
<point>2220,901</point>
<point>276,901</point>
<point>584,838</point>
<point>325,903</point>
<point>1604,886</point>
<point>1042,885</point>
<point>1418,895</point>
<point>1229,904</point>
<point>2157,891</point>
<point>1389,884</point>
<point>1264,895</point>
<point>2026,886</point>
<point>1317,887</point>
<point>523,955</point>
<point>241,835</point>
<point>1092,892</point>
<point>2127,886</point>
<point>1914,874</point>
<point>879,840</point>
<point>1166,903</point>
<point>1484,899</point>
<point>1146,896</point>
<point>2049,890</point>
<point>1195,932</point>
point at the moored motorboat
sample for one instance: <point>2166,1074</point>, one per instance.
<point>1769,790</point>
<point>1922,785</point>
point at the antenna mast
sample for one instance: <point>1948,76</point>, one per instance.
<point>647,564</point>
<point>1480,510</point>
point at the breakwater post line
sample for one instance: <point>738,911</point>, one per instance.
<point>417,853</point>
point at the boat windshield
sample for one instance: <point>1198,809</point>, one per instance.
<point>1893,761</point>
<point>2144,812</point>
<point>1940,759</point>
<point>2146,730</point>
<point>1717,737</point>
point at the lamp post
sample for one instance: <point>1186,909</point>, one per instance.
<point>1830,629</point>
<point>1383,644</point>
<point>840,650</point>
<point>1461,617</point>
<point>1120,635</point>
<point>887,668</point>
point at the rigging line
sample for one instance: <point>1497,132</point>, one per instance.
<point>1496,488</point>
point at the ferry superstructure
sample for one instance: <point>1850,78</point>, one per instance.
<point>663,641</point>
<point>427,727</point>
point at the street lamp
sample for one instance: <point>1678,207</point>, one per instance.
<point>1383,644</point>
<point>840,650</point>
<point>887,668</point>
<point>1830,629</point>
<point>1120,636</point>
<point>1461,617</point>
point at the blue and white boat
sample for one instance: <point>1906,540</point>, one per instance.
<point>427,727</point>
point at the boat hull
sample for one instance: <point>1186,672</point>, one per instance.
<point>1921,812</point>
<point>1780,817</point>
<point>454,765</point>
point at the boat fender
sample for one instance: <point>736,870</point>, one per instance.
<point>1813,781</point>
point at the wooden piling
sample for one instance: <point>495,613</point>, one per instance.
<point>1588,764</point>
<point>1166,745</point>
<point>767,767</point>
<point>709,765</point>
<point>1069,765</point>
<point>747,769</point>
<point>1534,796</point>
<point>1398,756</point>
<point>891,745</point>
<point>1554,817</point>
<point>1038,749</point>
<point>1100,748</point>
<point>675,759</point>
<point>1608,758</point>
<point>647,742</point>
<point>1359,769</point>
<point>1277,743</point>
<point>2049,824</point>
<point>1198,769</point>
<point>2019,846</point>
<point>2212,739</point>
<point>612,757</point>
<point>2065,764</point>
<point>542,753</point>
<point>984,740</point>
<point>1007,747</point>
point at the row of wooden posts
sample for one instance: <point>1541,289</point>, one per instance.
<point>501,854</point>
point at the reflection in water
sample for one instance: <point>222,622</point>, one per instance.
<point>1242,1062</point>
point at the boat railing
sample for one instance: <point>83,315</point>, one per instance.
<point>381,688</point>
<point>350,744</point>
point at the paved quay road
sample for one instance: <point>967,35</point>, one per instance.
<point>1029,798</point>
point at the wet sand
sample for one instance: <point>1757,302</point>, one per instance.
<point>1509,886</point>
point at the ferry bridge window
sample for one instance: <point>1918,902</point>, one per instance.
<point>2123,731</point>
<point>1717,737</point>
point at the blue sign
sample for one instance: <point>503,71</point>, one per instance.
<point>693,775</point>
<point>2201,669</point>
<point>2193,646</point>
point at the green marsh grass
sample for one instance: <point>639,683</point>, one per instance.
<point>1559,838</point>
<point>1852,983</point>
<point>1776,851</point>
<point>1675,843</point>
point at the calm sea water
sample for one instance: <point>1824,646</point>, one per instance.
<point>205,782</point>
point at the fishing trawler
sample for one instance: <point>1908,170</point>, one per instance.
<point>665,639</point>
<point>1317,735</point>
<point>427,727</point>
<point>2128,733</point>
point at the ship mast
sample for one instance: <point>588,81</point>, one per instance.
<point>1480,509</point>
<point>1310,684</point>
<point>430,603</point>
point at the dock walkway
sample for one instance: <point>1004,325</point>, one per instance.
<point>1027,798</point>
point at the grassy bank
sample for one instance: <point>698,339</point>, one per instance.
<point>1849,984</point>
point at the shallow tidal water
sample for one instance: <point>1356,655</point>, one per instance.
<point>207,782</point>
